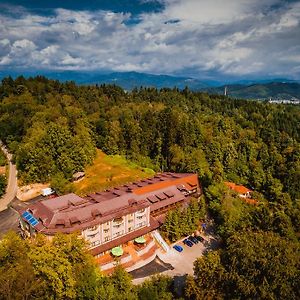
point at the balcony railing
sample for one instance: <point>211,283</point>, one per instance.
<point>118,220</point>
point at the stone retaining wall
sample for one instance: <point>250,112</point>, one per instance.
<point>112,264</point>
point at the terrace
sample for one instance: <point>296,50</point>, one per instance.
<point>134,255</point>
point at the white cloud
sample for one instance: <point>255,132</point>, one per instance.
<point>4,42</point>
<point>5,60</point>
<point>233,37</point>
<point>23,45</point>
<point>69,60</point>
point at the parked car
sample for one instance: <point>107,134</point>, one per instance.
<point>200,238</point>
<point>178,248</point>
<point>193,239</point>
<point>188,242</point>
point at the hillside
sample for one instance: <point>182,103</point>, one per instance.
<point>242,89</point>
<point>127,80</point>
<point>107,171</point>
<point>55,130</point>
<point>274,90</point>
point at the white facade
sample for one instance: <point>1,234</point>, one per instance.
<point>103,233</point>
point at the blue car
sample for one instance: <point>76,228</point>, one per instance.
<point>188,242</point>
<point>178,248</point>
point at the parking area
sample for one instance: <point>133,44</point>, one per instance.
<point>9,218</point>
<point>8,221</point>
<point>183,262</point>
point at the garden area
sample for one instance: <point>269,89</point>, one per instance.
<point>108,171</point>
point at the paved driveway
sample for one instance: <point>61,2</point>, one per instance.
<point>154,267</point>
<point>8,221</point>
<point>183,262</point>
<point>9,217</point>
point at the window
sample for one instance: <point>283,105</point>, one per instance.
<point>140,217</point>
<point>118,220</point>
<point>141,224</point>
<point>130,221</point>
<point>118,233</point>
<point>106,230</point>
<point>129,229</point>
<point>117,226</point>
<point>93,244</point>
<point>107,238</point>
<point>141,211</point>
<point>91,235</point>
<point>93,228</point>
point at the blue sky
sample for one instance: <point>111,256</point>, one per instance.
<point>206,39</point>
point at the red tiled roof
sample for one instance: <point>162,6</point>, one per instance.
<point>237,188</point>
<point>184,179</point>
<point>71,213</point>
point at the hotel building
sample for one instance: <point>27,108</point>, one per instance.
<point>115,216</point>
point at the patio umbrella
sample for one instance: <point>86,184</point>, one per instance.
<point>140,240</point>
<point>117,251</point>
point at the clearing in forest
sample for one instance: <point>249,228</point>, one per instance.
<point>109,171</point>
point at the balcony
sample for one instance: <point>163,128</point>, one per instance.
<point>118,220</point>
<point>141,216</point>
<point>92,231</point>
<point>142,211</point>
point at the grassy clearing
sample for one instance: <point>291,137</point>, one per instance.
<point>109,171</point>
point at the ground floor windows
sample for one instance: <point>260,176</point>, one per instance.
<point>95,243</point>
<point>141,224</point>
<point>119,233</point>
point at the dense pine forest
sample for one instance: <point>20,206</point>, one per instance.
<point>54,129</point>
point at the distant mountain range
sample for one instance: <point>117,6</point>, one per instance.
<point>260,91</point>
<point>127,80</point>
<point>247,89</point>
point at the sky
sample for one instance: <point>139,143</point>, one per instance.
<point>205,39</point>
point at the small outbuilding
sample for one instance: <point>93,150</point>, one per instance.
<point>77,176</point>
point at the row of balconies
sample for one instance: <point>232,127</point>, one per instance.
<point>117,223</point>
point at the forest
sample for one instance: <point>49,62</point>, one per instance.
<point>63,269</point>
<point>54,128</point>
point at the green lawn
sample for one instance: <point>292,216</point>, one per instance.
<point>109,171</point>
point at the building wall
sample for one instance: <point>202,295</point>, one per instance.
<point>116,228</point>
